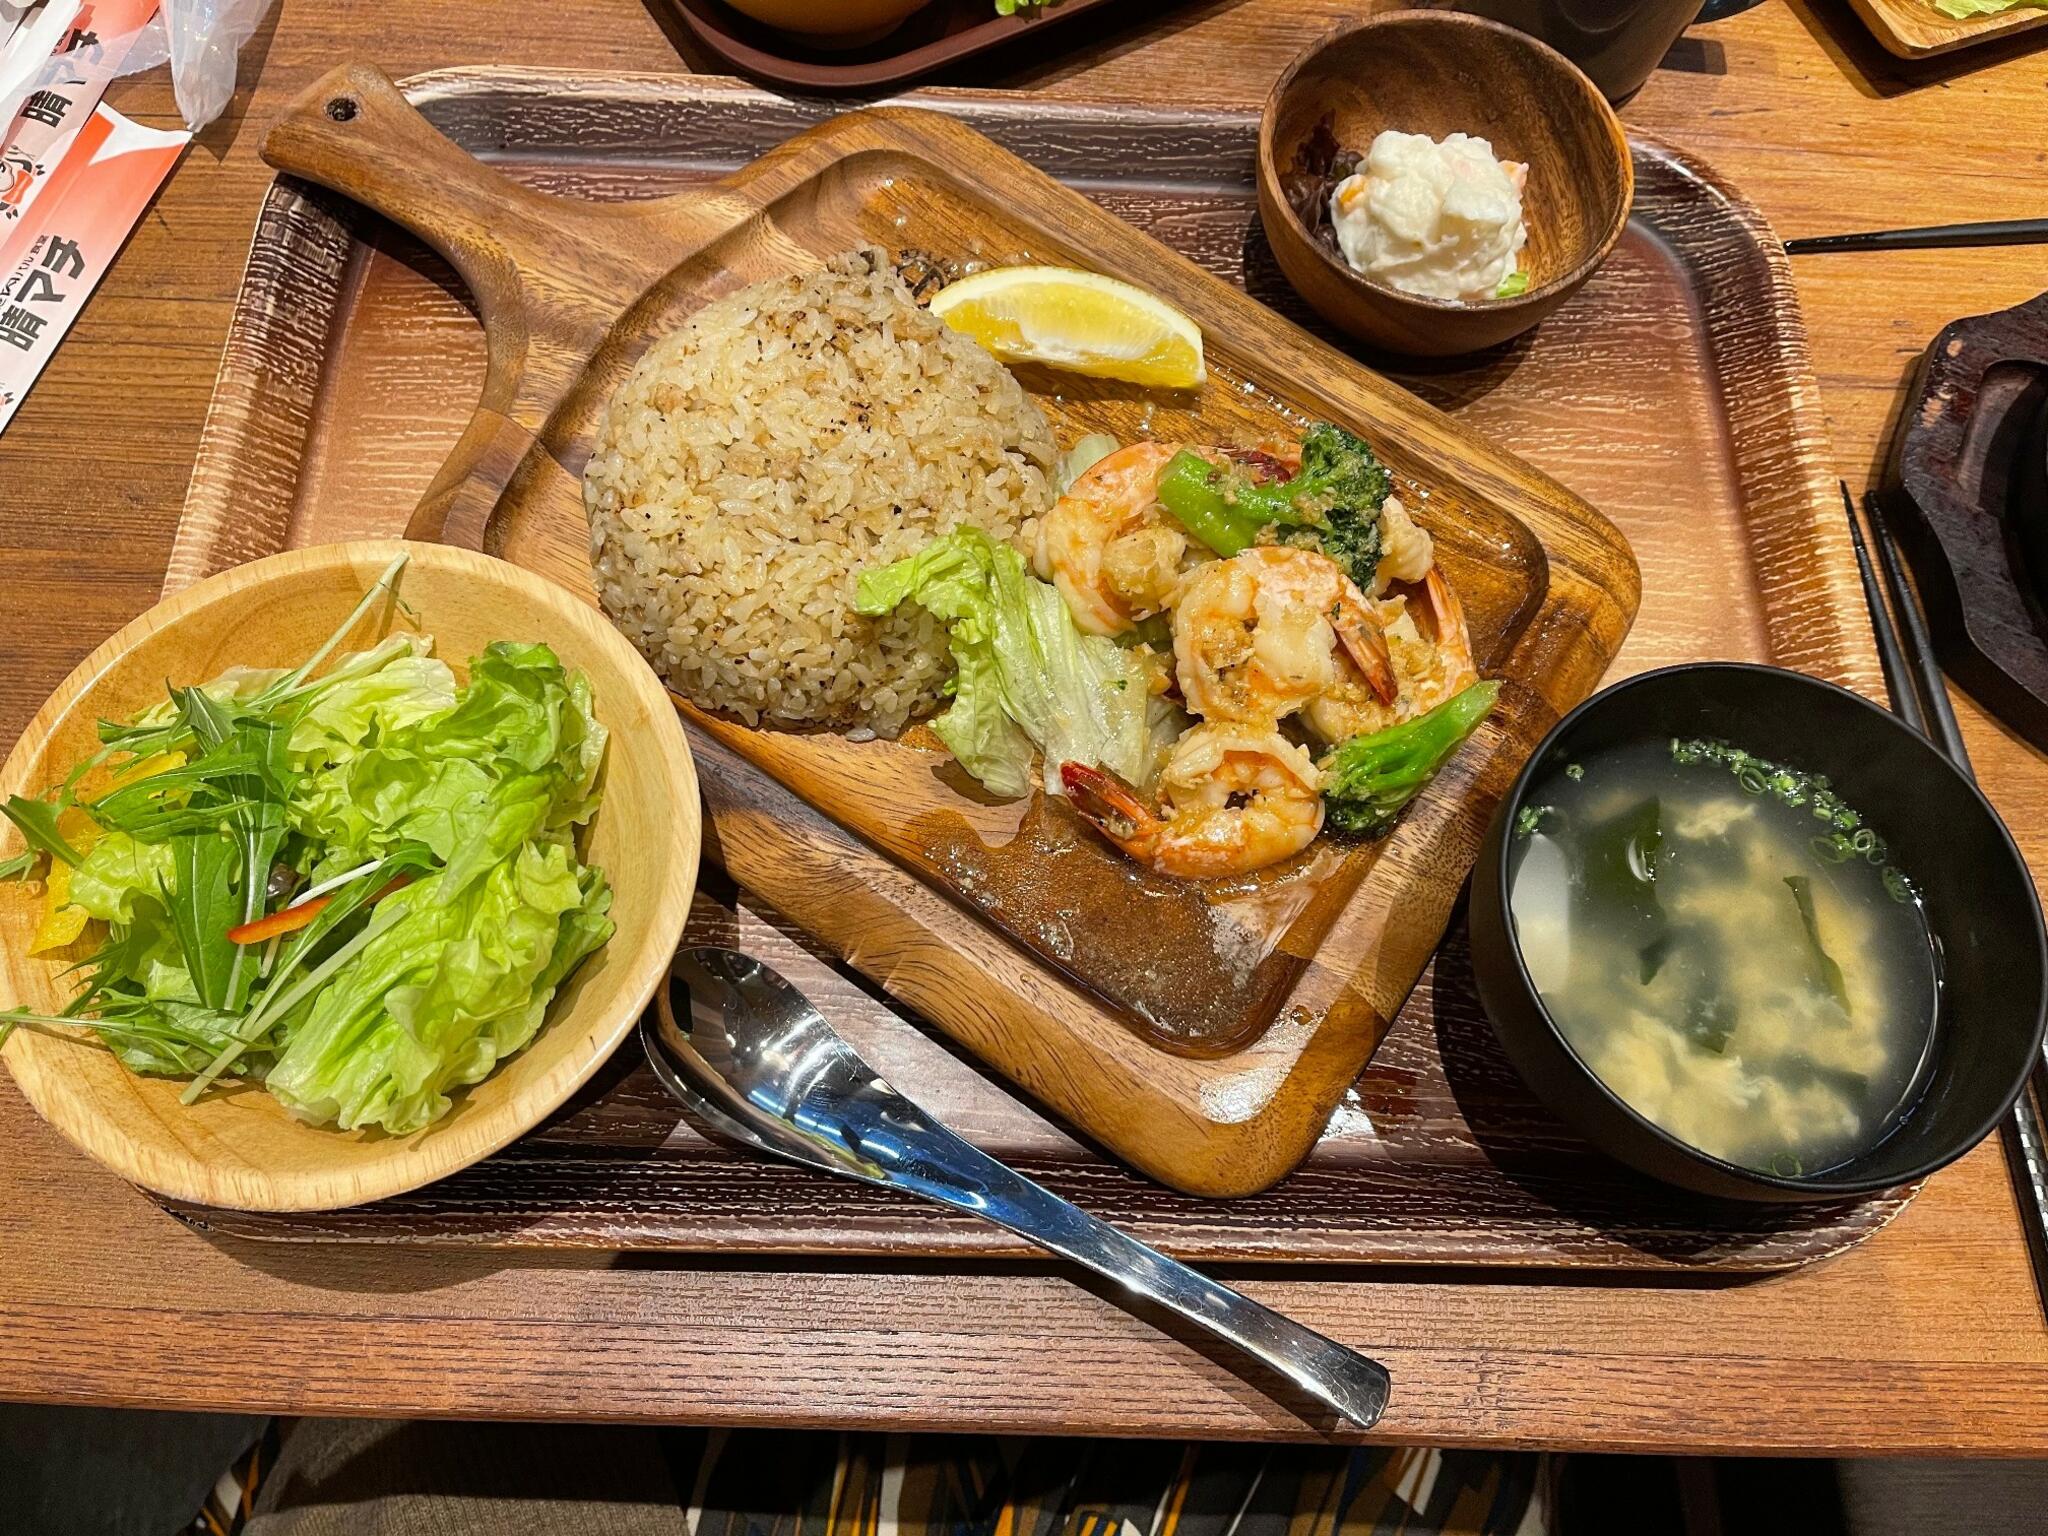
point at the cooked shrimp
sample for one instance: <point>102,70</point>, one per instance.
<point>1114,553</point>
<point>1431,652</point>
<point>1255,636</point>
<point>1232,799</point>
<point>1406,552</point>
<point>1274,458</point>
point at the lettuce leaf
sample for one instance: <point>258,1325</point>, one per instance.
<point>1963,10</point>
<point>343,719</point>
<point>951,578</point>
<point>462,964</point>
<point>453,983</point>
<point>171,1037</point>
<point>118,870</point>
<point>1027,677</point>
<point>378,772</point>
<point>524,714</point>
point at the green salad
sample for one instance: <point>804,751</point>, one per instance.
<point>358,886</point>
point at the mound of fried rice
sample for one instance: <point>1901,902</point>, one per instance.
<point>759,457</point>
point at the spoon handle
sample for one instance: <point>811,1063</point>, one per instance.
<point>916,1154</point>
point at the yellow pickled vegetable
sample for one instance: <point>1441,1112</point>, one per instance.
<point>61,922</point>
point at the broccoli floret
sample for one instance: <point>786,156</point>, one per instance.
<point>1338,472</point>
<point>1332,504</point>
<point>1370,777</point>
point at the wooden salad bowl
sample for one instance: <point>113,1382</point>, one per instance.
<point>237,1146</point>
<point>1444,72</point>
<point>1201,1033</point>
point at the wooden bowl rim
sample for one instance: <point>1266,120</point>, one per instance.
<point>1557,287</point>
<point>187,1174</point>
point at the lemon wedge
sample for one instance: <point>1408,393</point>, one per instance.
<point>1080,321</point>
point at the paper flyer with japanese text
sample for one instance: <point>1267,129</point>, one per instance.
<point>55,254</point>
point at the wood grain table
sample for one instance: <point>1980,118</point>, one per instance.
<point>1928,1338</point>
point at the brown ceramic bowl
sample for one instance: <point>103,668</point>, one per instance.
<point>1442,72</point>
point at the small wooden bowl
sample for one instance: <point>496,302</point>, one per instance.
<point>237,1146</point>
<point>1442,72</point>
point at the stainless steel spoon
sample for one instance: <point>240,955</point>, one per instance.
<point>743,1048</point>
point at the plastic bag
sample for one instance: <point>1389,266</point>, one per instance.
<point>12,14</point>
<point>31,39</point>
<point>200,39</point>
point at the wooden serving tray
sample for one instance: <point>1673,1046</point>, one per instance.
<point>1122,998</point>
<point>945,33</point>
<point>1676,390</point>
<point>1913,29</point>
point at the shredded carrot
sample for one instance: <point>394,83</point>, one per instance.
<point>289,920</point>
<point>263,929</point>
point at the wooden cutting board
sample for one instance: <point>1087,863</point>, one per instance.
<point>1129,1030</point>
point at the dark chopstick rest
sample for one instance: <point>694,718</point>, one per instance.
<point>1920,698</point>
<point>1926,237</point>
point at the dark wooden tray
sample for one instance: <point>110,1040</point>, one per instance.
<point>1675,391</point>
<point>944,33</point>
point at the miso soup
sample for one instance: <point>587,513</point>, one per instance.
<point>1728,948</point>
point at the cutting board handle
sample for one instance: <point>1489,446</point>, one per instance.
<point>355,132</point>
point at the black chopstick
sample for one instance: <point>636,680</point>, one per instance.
<point>1919,694</point>
<point>1926,237</point>
<point>1919,646</point>
<point>1898,681</point>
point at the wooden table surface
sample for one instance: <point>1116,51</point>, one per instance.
<point>1927,1338</point>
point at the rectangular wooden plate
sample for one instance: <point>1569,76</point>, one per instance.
<point>347,377</point>
<point>1913,29</point>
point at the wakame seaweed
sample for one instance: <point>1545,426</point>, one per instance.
<point>1827,974</point>
<point>1619,873</point>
